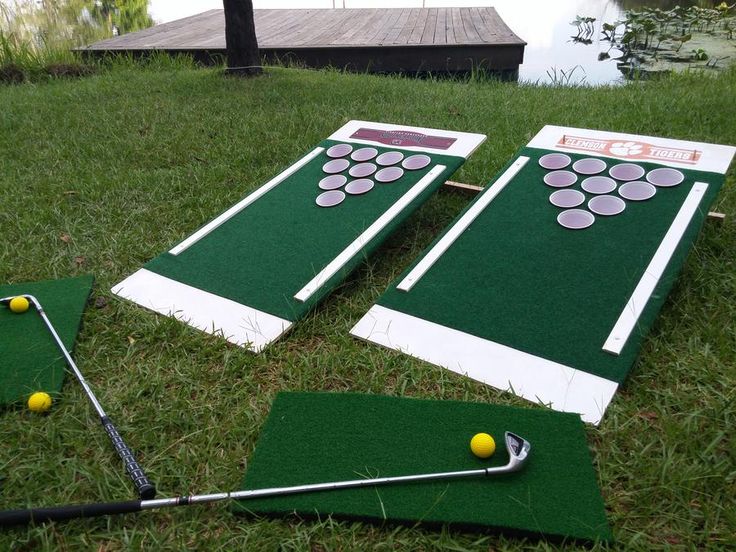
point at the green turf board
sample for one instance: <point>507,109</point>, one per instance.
<point>263,255</point>
<point>323,437</point>
<point>558,267</point>
<point>277,235</point>
<point>516,277</point>
<point>30,360</point>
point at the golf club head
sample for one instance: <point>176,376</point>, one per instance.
<point>518,449</point>
<point>31,299</point>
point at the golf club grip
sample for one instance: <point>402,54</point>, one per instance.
<point>61,513</point>
<point>143,486</point>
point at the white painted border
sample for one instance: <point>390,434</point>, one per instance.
<point>714,157</point>
<point>235,209</point>
<point>539,380</point>
<point>466,142</point>
<point>640,297</point>
<point>461,225</point>
<point>368,234</point>
<point>238,324</point>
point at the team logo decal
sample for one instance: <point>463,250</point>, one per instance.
<point>404,138</point>
<point>630,149</point>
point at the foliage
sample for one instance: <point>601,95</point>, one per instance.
<point>37,39</point>
<point>699,54</point>
<point>19,62</point>
<point>53,24</point>
<point>638,29</point>
<point>122,16</point>
<point>560,77</point>
<point>653,34</point>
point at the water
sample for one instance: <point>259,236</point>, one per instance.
<point>551,55</point>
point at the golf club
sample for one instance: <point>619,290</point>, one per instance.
<point>143,486</point>
<point>518,449</point>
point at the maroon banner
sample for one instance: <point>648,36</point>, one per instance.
<point>404,138</point>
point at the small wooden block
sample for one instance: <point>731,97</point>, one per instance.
<point>459,186</point>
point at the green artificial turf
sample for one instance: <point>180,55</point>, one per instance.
<point>99,175</point>
<point>324,437</point>
<point>547,290</point>
<point>30,358</point>
<point>266,253</point>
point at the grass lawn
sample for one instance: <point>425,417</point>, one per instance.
<point>98,175</point>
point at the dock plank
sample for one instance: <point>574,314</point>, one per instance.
<point>288,26</point>
<point>429,27</point>
<point>408,27</point>
<point>440,29</point>
<point>484,33</point>
<point>266,21</point>
<point>383,32</point>
<point>416,34</point>
<point>497,34</point>
<point>371,27</point>
<point>457,26</point>
<point>346,33</point>
<point>334,29</point>
<point>393,37</point>
<point>469,26</point>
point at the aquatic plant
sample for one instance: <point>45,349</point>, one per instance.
<point>653,33</point>
<point>639,29</point>
<point>586,28</point>
<point>699,54</point>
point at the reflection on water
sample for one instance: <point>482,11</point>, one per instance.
<point>63,23</point>
<point>551,54</point>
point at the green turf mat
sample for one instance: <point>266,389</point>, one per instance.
<point>29,358</point>
<point>323,437</point>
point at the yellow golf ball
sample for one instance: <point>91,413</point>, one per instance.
<point>19,304</point>
<point>39,402</point>
<point>482,445</point>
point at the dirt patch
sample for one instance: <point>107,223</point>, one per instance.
<point>70,70</point>
<point>12,74</point>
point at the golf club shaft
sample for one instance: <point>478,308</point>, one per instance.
<point>95,403</point>
<point>143,485</point>
<point>61,513</point>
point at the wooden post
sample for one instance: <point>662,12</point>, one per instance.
<point>240,38</point>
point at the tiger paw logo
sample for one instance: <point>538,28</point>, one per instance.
<point>626,149</point>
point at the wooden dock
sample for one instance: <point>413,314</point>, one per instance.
<point>412,40</point>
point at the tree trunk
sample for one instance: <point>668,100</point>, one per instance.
<point>240,38</point>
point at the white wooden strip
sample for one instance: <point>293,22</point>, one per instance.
<point>461,225</point>
<point>371,232</point>
<point>239,324</point>
<point>635,307</point>
<point>465,142</point>
<point>235,209</point>
<point>537,379</point>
